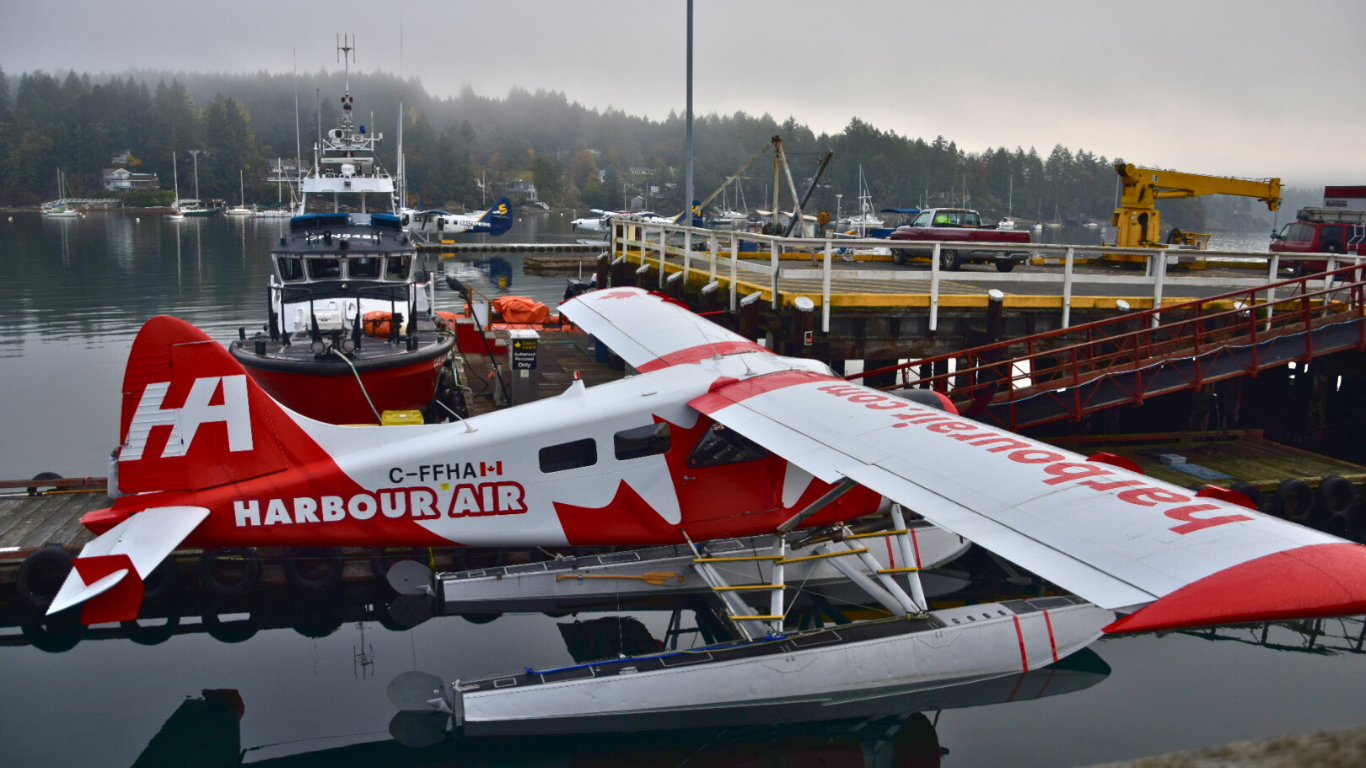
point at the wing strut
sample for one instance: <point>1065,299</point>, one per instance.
<point>844,486</point>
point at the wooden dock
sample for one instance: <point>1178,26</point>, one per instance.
<point>450,249</point>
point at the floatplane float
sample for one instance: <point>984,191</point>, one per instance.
<point>715,438</point>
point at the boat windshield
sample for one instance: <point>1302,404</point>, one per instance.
<point>291,268</point>
<point>364,267</point>
<point>324,269</point>
<point>397,268</point>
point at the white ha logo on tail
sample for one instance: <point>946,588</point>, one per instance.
<point>186,420</point>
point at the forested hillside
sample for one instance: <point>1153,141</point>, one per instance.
<point>240,121</point>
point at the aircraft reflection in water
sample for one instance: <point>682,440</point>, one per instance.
<point>886,731</point>
<point>495,269</point>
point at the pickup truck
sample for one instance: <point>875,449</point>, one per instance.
<point>957,229</point>
<point>1322,230</point>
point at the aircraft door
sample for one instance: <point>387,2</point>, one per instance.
<point>722,474</point>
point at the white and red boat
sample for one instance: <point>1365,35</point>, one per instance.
<point>351,332</point>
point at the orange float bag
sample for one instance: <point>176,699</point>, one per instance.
<point>520,309</point>
<point>378,324</point>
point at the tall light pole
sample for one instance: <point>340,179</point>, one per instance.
<point>687,195</point>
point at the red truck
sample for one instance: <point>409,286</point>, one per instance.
<point>1322,230</point>
<point>957,229</point>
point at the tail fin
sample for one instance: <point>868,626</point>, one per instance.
<point>193,419</point>
<point>499,217</point>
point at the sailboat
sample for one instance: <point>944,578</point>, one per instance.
<point>240,210</point>
<point>866,219</point>
<point>1009,221</point>
<point>1038,223</point>
<point>196,207</point>
<point>58,209</point>
<point>175,214</point>
<point>278,211</point>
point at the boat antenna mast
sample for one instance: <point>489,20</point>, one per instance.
<point>346,55</point>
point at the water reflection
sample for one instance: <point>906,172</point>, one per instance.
<point>898,731</point>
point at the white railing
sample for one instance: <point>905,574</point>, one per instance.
<point>723,250</point>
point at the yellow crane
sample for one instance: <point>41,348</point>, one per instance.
<point>1139,223</point>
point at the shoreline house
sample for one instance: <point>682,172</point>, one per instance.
<point>124,180</point>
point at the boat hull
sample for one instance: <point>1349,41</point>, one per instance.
<point>333,396</point>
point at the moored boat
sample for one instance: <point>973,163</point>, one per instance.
<point>352,332</point>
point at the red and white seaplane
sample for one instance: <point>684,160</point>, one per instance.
<point>714,438</point>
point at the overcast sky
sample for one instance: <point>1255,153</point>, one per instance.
<point>1246,88</point>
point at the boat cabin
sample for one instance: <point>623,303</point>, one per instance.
<point>333,266</point>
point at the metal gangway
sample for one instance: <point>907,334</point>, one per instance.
<point>1072,371</point>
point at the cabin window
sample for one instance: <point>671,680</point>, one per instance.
<point>397,268</point>
<point>972,220</point>
<point>566,456</point>
<point>1303,233</point>
<point>364,267</point>
<point>923,220</point>
<point>721,445</point>
<point>291,268</point>
<point>324,269</point>
<point>649,440</point>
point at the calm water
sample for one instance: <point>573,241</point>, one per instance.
<point>76,292</point>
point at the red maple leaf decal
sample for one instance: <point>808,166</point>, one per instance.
<point>620,293</point>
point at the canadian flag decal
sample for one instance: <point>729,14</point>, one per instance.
<point>186,420</point>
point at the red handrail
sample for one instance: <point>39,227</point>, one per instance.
<point>1114,344</point>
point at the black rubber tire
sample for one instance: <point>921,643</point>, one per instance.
<point>384,558</point>
<point>230,632</point>
<point>54,634</point>
<point>1004,265</point>
<point>160,584</point>
<point>481,618</point>
<point>317,618</point>
<point>42,573</point>
<point>33,490</point>
<point>949,261</point>
<point>898,257</point>
<point>251,571</point>
<point>1294,500</point>
<point>153,635</point>
<point>1336,503</point>
<point>314,569</point>
<point>1252,492</point>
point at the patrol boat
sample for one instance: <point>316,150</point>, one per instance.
<point>351,332</point>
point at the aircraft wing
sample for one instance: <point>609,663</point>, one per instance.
<point>650,331</point>
<point>1115,537</point>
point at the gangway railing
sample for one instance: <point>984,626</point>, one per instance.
<point>705,253</point>
<point>1070,372</point>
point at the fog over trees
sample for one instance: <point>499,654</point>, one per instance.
<point>576,156</point>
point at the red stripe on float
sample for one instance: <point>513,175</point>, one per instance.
<point>1051,642</point>
<point>1019,633</point>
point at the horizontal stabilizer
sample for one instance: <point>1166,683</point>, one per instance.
<point>74,591</point>
<point>123,557</point>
